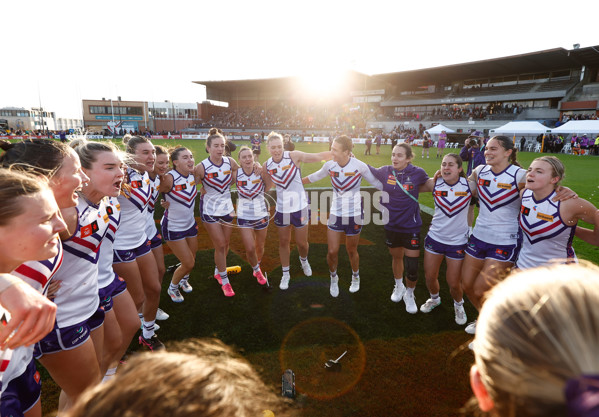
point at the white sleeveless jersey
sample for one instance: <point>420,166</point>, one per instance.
<point>250,191</point>
<point>182,199</point>
<point>133,205</point>
<point>217,183</point>
<point>38,274</point>
<point>450,221</point>
<point>105,271</point>
<point>546,236</point>
<point>497,221</point>
<point>77,299</point>
<point>151,229</point>
<point>346,181</point>
<point>287,177</point>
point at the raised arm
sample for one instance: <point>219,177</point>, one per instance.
<point>318,175</point>
<point>299,156</point>
<point>587,212</point>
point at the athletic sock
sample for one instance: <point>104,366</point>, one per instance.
<point>398,281</point>
<point>148,329</point>
<point>172,287</point>
<point>109,374</point>
<point>356,274</point>
<point>285,270</point>
<point>215,270</point>
<point>410,291</point>
<point>435,296</point>
<point>303,259</point>
<point>185,278</point>
<point>333,273</point>
<point>459,303</point>
<point>257,267</point>
<point>223,277</point>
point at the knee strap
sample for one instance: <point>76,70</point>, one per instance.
<point>411,268</point>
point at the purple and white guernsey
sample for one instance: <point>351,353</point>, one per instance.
<point>151,229</point>
<point>250,190</point>
<point>133,205</point>
<point>287,177</point>
<point>403,209</point>
<point>217,183</point>
<point>499,196</point>
<point>450,221</point>
<point>105,272</point>
<point>546,236</point>
<point>77,298</point>
<point>346,181</point>
<point>182,197</point>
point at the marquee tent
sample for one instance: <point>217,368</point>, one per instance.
<point>580,127</point>
<point>522,128</point>
<point>438,129</point>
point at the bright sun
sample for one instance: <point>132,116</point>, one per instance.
<point>322,81</point>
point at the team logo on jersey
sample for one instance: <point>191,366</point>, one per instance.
<point>460,251</point>
<point>334,174</point>
<point>136,184</point>
<point>272,171</point>
<point>109,210</point>
<point>211,175</point>
<point>89,229</point>
<point>460,193</point>
<point>441,193</point>
<point>180,187</point>
<point>414,242</point>
<point>242,183</point>
<point>408,187</point>
<point>484,183</point>
<point>504,186</point>
<point>525,211</point>
<point>545,217</point>
<point>501,252</point>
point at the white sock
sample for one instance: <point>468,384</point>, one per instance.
<point>356,274</point>
<point>223,277</point>
<point>410,291</point>
<point>109,374</point>
<point>435,296</point>
<point>257,267</point>
<point>459,303</point>
<point>333,273</point>
<point>148,329</point>
<point>399,282</point>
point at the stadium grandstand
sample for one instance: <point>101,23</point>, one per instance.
<point>549,86</point>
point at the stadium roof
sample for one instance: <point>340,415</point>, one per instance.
<point>547,60</point>
<point>533,62</point>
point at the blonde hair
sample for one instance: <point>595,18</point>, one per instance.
<point>207,378</point>
<point>15,183</point>
<point>537,330</point>
<point>557,167</point>
<point>272,136</point>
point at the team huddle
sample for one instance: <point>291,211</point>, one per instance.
<point>105,272</point>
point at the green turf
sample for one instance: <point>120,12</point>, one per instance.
<point>397,363</point>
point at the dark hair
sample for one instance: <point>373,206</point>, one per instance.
<point>132,141</point>
<point>507,144</point>
<point>175,153</point>
<point>345,142</point>
<point>407,148</point>
<point>40,156</point>
<point>214,133</point>
<point>458,161</point>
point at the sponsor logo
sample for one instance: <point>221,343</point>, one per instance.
<point>272,171</point>
<point>504,186</point>
<point>89,229</point>
<point>408,187</point>
<point>286,167</point>
<point>545,217</point>
<point>242,183</point>
<point>192,183</point>
<point>136,184</point>
<point>256,181</point>
<point>227,172</point>
<point>501,252</point>
<point>484,183</point>
<point>414,242</point>
<point>334,174</point>
<point>106,218</point>
<point>441,193</point>
<point>525,211</point>
<point>460,193</point>
<point>180,187</point>
<point>211,175</point>
<point>109,210</point>
<point>350,174</point>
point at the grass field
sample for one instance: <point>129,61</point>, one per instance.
<point>397,363</point>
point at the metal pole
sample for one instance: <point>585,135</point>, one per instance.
<point>174,118</point>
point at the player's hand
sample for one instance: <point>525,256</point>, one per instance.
<point>32,316</point>
<point>165,204</point>
<point>437,176</point>
<point>53,288</point>
<point>563,194</point>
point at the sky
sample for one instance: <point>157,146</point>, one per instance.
<point>59,52</point>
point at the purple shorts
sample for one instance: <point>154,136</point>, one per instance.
<point>298,218</point>
<point>124,256</point>
<point>22,393</point>
<point>450,251</point>
<point>253,224</point>
<point>156,241</point>
<point>351,226</point>
<point>441,143</point>
<point>483,250</point>
<point>116,287</point>
<point>69,337</point>
<point>172,236</point>
<point>402,240</point>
